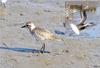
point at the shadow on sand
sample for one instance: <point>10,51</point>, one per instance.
<point>27,50</point>
<point>59,32</point>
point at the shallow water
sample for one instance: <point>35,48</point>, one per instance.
<point>95,30</point>
<point>94,17</point>
<point>91,17</point>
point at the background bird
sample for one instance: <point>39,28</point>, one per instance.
<point>4,2</point>
<point>82,25</point>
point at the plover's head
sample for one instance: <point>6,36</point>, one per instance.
<point>29,25</point>
<point>84,7</point>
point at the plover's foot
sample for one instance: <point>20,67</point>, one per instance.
<point>42,48</point>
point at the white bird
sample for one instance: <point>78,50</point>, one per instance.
<point>41,34</point>
<point>4,2</point>
<point>77,28</point>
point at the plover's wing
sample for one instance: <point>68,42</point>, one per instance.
<point>43,33</point>
<point>75,28</point>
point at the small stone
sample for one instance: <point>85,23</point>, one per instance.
<point>66,51</point>
<point>21,14</point>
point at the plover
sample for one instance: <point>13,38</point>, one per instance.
<point>77,28</point>
<point>3,2</point>
<point>41,34</point>
<point>70,10</point>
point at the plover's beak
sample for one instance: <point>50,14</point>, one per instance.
<point>24,26</point>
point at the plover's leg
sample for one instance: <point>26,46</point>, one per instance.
<point>42,48</point>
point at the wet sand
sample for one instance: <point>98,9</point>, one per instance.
<point>18,49</point>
